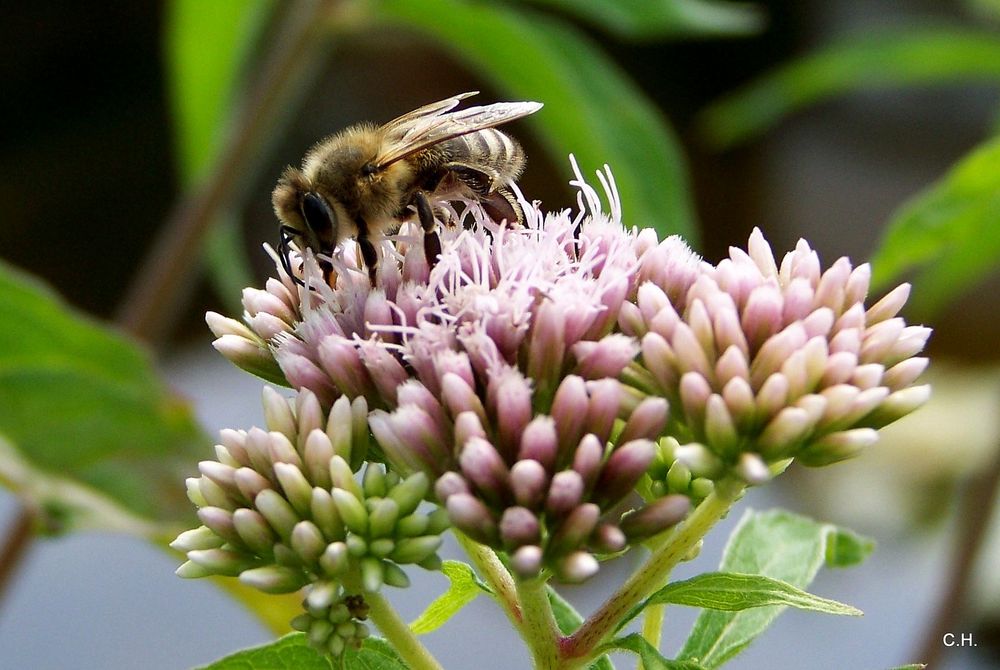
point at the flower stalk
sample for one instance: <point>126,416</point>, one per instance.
<point>399,635</point>
<point>653,573</point>
<point>539,629</point>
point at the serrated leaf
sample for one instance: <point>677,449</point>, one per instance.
<point>776,544</point>
<point>80,402</point>
<point>568,620</point>
<point>290,652</point>
<point>949,232</point>
<point>878,59</point>
<point>732,592</point>
<point>650,657</point>
<point>463,588</point>
<point>652,19</point>
<point>592,109</point>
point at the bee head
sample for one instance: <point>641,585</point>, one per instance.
<point>306,216</point>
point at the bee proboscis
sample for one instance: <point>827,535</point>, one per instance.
<point>363,181</point>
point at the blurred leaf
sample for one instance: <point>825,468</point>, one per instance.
<point>950,232</point>
<point>592,109</point>
<point>463,588</point>
<point>987,9</point>
<point>568,620</point>
<point>207,45</point>
<point>647,653</point>
<point>80,402</point>
<point>776,544</point>
<point>845,548</point>
<point>910,666</point>
<point>291,652</point>
<point>733,592</point>
<point>273,610</point>
<point>898,58</point>
<point>652,19</point>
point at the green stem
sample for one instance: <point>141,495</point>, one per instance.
<point>653,574</point>
<point>495,575</point>
<point>399,635</point>
<point>539,629</point>
<point>652,624</point>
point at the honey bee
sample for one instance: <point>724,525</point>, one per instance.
<point>364,181</point>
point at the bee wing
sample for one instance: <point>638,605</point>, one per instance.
<point>422,131</point>
<point>433,109</point>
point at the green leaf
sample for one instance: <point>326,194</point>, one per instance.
<point>896,58</point>
<point>732,592</point>
<point>206,49</point>
<point>775,544</point>
<point>81,402</point>
<point>949,232</point>
<point>650,657</point>
<point>375,654</point>
<point>568,620</point>
<point>464,588</point>
<point>845,548</point>
<point>652,19</point>
<point>591,107</point>
<point>206,45</point>
<point>290,652</point>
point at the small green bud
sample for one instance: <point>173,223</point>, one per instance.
<point>322,594</point>
<point>254,532</point>
<point>394,576</point>
<point>701,488</point>
<point>335,646</point>
<point>351,510</point>
<point>356,546</point>
<point>301,623</point>
<point>413,525</point>
<point>438,522</point>
<point>324,514</point>
<point>274,579</point>
<point>277,511</point>
<point>285,555</point>
<point>197,538</point>
<point>319,632</point>
<point>307,541</point>
<point>335,559</point>
<point>372,573</point>
<point>191,570</point>
<point>410,492</point>
<point>221,561</point>
<point>381,547</point>
<point>415,549</point>
<point>432,563</point>
<point>343,478</point>
<point>374,481</point>
<point>383,516</point>
<point>678,477</point>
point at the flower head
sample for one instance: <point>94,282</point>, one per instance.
<point>281,509</point>
<point>768,362</point>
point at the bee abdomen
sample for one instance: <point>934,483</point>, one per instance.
<point>491,148</point>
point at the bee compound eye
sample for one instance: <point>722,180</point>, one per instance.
<point>318,215</point>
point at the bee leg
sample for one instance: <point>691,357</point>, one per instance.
<point>432,242</point>
<point>285,235</point>
<point>368,253</point>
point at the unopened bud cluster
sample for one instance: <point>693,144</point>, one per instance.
<point>765,362</point>
<point>689,470</point>
<point>282,509</point>
<point>544,488</point>
<point>332,620</point>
